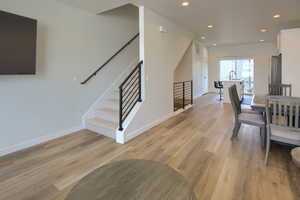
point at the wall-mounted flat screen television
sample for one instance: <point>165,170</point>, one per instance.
<point>17,44</point>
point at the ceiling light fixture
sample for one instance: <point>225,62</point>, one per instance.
<point>203,37</point>
<point>276,16</point>
<point>214,44</point>
<point>185,3</point>
<point>261,40</point>
<point>263,30</point>
<point>210,26</point>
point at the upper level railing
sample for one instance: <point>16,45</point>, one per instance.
<point>110,59</point>
<point>183,94</point>
<point>130,93</point>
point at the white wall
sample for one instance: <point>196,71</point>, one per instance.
<point>184,70</point>
<point>193,66</point>
<point>200,69</point>
<point>163,52</point>
<point>71,44</point>
<point>261,53</point>
<point>290,48</point>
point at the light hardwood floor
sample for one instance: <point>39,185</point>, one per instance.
<point>196,143</point>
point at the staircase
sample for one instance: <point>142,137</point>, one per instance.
<point>111,113</point>
<point>106,116</point>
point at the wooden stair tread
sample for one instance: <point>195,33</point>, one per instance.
<point>108,110</point>
<point>103,123</point>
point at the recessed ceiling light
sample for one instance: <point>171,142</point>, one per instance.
<point>214,44</point>
<point>263,30</point>
<point>276,16</point>
<point>185,3</point>
<point>210,26</point>
<point>261,40</point>
<point>203,37</point>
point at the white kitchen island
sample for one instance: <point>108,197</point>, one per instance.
<point>239,86</point>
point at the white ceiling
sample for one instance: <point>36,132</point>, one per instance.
<point>235,21</point>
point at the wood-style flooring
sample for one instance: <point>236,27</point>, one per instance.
<point>196,143</point>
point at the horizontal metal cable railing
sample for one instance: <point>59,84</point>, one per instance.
<point>183,94</point>
<point>130,93</point>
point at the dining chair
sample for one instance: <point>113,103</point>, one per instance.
<point>218,85</point>
<point>280,89</point>
<point>282,121</point>
<point>254,119</point>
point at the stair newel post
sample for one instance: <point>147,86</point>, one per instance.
<point>140,82</point>
<point>183,94</point>
<point>192,95</point>
<point>121,109</point>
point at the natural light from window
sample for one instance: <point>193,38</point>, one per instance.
<point>238,69</point>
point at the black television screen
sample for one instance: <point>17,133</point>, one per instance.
<point>17,44</point>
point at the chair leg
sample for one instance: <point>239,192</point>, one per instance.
<point>220,93</point>
<point>263,137</point>
<point>236,129</point>
<point>267,151</point>
<point>268,143</point>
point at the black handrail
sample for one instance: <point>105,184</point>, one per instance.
<point>183,94</point>
<point>130,94</point>
<point>110,59</point>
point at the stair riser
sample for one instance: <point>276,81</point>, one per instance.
<point>101,130</point>
<point>114,96</point>
<point>107,116</point>
<point>110,104</point>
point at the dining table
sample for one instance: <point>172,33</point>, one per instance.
<point>258,103</point>
<point>133,180</point>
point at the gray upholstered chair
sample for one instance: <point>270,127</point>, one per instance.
<point>253,119</point>
<point>282,121</point>
<point>280,89</point>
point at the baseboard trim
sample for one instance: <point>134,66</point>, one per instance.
<point>206,93</point>
<point>140,131</point>
<point>29,143</point>
<point>199,95</point>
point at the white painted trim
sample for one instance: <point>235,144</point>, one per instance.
<point>120,135</point>
<point>142,48</point>
<point>182,110</point>
<point>200,95</point>
<point>39,140</point>
<point>140,131</point>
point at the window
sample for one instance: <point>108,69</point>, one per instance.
<point>240,69</point>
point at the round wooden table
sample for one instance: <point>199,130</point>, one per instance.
<point>133,180</point>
